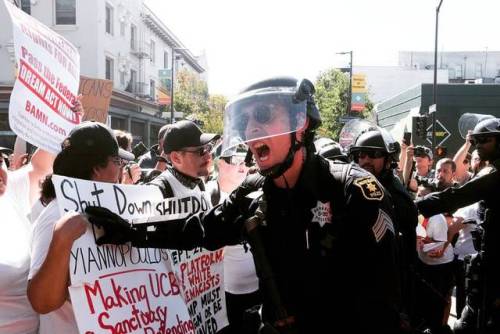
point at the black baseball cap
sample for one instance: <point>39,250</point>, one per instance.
<point>186,134</point>
<point>94,138</point>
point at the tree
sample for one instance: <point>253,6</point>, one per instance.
<point>332,96</point>
<point>213,120</point>
<point>190,93</point>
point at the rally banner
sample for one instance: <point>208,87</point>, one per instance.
<point>201,276</point>
<point>120,289</point>
<point>48,74</point>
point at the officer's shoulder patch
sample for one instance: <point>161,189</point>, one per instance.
<point>370,188</point>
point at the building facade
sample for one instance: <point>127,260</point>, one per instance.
<point>462,66</point>
<point>119,40</point>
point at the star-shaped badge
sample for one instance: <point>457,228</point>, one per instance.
<point>322,213</point>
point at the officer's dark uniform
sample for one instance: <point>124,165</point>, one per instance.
<point>329,240</point>
<point>405,211</point>
<point>484,188</point>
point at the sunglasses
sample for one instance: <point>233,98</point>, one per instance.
<point>372,154</point>
<point>480,140</point>
<point>201,151</point>
<point>262,114</point>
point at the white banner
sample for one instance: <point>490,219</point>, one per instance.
<point>201,276</point>
<point>120,289</point>
<point>113,285</point>
<point>48,75</point>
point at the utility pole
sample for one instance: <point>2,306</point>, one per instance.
<point>172,111</point>
<point>434,95</point>
<point>350,80</point>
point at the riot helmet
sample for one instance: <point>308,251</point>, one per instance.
<point>253,114</point>
<point>487,127</point>
<point>379,141</point>
<point>329,149</point>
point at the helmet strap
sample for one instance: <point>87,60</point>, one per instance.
<point>279,169</point>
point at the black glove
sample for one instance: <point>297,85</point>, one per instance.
<point>117,230</point>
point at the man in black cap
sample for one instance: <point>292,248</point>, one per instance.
<point>188,150</point>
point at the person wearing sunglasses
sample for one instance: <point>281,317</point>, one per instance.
<point>323,232</point>
<point>376,151</point>
<point>482,309</point>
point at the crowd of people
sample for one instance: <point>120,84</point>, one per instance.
<point>316,239</point>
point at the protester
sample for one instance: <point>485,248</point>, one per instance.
<point>91,153</point>
<point>316,247</point>
<point>150,159</point>
<point>419,157</point>
<point>124,139</point>
<point>16,314</point>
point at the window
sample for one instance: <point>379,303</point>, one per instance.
<point>133,37</point>
<point>122,27</point>
<point>109,19</point>
<point>165,59</point>
<point>65,11</point>
<point>26,6</point>
<point>109,68</point>
<point>122,78</point>
<point>133,81</point>
<point>152,89</point>
<point>152,48</point>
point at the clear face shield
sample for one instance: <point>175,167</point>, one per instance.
<point>261,114</point>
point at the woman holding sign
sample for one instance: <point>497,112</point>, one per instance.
<point>90,152</point>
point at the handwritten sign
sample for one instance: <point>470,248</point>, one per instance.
<point>47,83</point>
<point>113,285</point>
<point>120,289</point>
<point>96,95</point>
<point>201,276</point>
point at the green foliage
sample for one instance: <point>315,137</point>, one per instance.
<point>190,93</point>
<point>332,96</point>
<point>213,120</point>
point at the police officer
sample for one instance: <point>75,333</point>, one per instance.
<point>330,149</point>
<point>325,230</point>
<point>377,152</point>
<point>482,312</point>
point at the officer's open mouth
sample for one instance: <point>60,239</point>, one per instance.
<point>262,151</point>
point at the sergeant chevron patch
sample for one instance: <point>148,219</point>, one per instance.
<point>382,224</point>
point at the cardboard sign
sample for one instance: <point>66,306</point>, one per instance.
<point>47,83</point>
<point>96,95</point>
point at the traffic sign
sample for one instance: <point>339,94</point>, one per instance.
<point>442,134</point>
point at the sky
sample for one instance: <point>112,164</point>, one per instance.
<point>249,40</point>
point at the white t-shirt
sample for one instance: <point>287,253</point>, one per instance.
<point>16,314</point>
<point>19,189</point>
<point>464,245</point>
<point>239,269</point>
<point>61,320</point>
<point>437,229</point>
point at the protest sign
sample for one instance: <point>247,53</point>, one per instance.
<point>47,83</point>
<point>201,276</point>
<point>120,289</point>
<point>96,95</point>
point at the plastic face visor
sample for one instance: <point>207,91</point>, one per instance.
<point>262,114</point>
